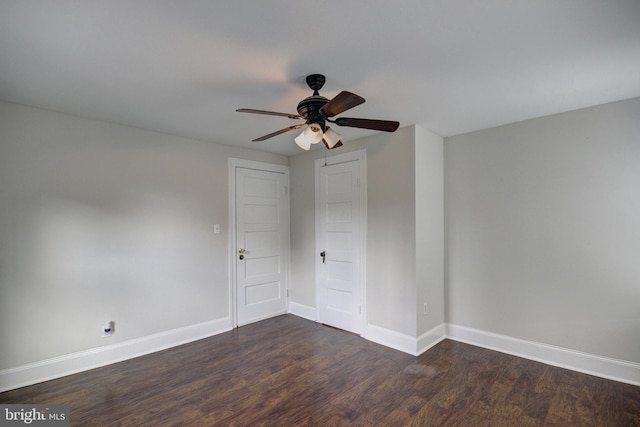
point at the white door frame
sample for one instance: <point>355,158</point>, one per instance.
<point>361,157</point>
<point>233,247</point>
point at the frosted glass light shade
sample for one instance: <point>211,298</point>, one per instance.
<point>311,135</point>
<point>331,137</point>
<point>303,142</point>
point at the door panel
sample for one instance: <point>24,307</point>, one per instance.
<point>261,236</point>
<point>339,229</point>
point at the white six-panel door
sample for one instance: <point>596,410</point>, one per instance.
<point>340,245</point>
<point>261,235</point>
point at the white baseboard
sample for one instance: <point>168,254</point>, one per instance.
<point>430,338</point>
<point>304,311</point>
<point>604,367</point>
<point>614,369</point>
<point>405,343</point>
<point>389,338</point>
<point>57,367</point>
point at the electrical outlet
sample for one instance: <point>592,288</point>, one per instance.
<point>107,329</point>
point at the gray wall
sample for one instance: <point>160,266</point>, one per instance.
<point>429,201</point>
<point>543,230</point>
<point>104,222</point>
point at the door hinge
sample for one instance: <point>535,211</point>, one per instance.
<point>287,293</point>
<point>286,190</point>
<point>360,309</point>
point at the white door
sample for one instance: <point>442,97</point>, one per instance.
<point>340,245</point>
<point>261,249</point>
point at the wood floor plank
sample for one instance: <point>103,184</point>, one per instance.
<point>288,371</point>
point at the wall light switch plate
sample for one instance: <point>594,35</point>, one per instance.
<point>216,228</point>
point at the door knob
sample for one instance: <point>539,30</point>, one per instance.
<point>242,250</point>
<point>323,254</point>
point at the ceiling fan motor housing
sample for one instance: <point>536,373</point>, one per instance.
<point>309,108</point>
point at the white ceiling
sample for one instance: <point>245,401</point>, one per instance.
<point>183,67</point>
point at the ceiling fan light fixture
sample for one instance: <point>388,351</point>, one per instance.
<point>303,142</point>
<point>311,135</point>
<point>331,137</point>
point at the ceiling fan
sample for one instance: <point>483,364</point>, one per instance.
<point>317,111</point>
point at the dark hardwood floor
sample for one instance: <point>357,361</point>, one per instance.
<point>290,371</point>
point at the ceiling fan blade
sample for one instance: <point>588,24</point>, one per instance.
<point>341,102</point>
<point>270,113</point>
<point>278,132</point>
<point>337,144</point>
<point>383,125</point>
